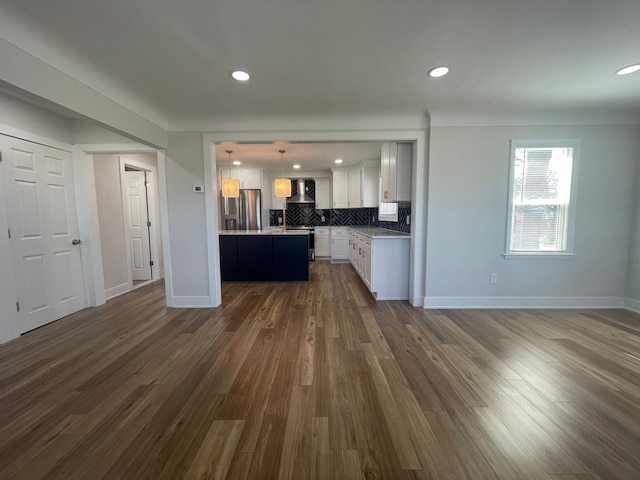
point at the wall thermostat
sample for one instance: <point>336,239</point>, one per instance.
<point>198,188</point>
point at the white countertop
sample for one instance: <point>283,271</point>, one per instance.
<point>376,232</point>
<point>268,231</point>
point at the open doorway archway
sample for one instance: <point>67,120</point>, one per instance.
<point>89,223</point>
<point>418,196</point>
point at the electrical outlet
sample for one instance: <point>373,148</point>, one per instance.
<point>493,278</point>
<point>408,219</point>
<point>322,218</point>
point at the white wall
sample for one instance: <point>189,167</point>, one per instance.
<point>467,209</point>
<point>86,133</point>
<point>633,270</point>
<point>188,246</point>
<point>111,219</point>
<point>8,314</point>
<point>20,115</point>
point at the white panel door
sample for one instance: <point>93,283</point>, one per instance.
<point>137,230</point>
<point>42,220</point>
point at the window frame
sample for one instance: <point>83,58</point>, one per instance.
<point>543,143</point>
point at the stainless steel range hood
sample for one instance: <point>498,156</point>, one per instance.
<point>301,196</point>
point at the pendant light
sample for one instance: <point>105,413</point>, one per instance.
<point>230,186</point>
<point>282,186</point>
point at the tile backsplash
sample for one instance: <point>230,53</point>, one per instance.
<point>307,215</point>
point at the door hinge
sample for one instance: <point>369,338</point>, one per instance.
<point>148,224</point>
<point>18,306</point>
<point>0,156</point>
<point>9,232</point>
<point>151,263</point>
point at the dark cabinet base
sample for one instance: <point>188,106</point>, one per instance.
<point>264,257</point>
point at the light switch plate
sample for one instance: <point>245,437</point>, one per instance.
<point>198,188</point>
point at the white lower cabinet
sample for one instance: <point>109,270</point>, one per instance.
<point>339,238</point>
<point>322,245</point>
<point>382,263</point>
<point>360,255</point>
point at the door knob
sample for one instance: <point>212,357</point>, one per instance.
<point>75,241</point>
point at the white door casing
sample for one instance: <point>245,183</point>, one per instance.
<point>42,219</point>
<point>136,228</point>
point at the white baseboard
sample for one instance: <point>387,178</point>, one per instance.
<point>113,292</point>
<point>631,304</point>
<point>191,302</point>
<point>524,302</point>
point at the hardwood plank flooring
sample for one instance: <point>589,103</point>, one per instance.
<point>315,380</point>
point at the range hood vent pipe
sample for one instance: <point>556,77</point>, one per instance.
<point>301,196</point>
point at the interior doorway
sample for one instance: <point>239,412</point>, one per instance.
<point>42,231</point>
<point>138,181</point>
<point>135,186</point>
<point>128,221</point>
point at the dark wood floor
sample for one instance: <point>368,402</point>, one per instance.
<point>316,380</point>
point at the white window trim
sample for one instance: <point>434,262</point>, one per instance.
<point>537,143</point>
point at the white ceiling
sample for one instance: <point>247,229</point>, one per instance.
<point>169,61</point>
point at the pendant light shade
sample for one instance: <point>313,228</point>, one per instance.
<point>282,186</point>
<point>230,186</point>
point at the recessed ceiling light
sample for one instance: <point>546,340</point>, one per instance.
<point>240,75</point>
<point>338,160</point>
<point>440,71</point>
<point>629,69</point>
<point>237,162</point>
<point>296,166</point>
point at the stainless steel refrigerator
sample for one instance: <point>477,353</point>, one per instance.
<point>243,212</point>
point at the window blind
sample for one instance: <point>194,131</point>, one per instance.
<point>541,195</point>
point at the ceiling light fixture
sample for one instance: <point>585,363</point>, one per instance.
<point>440,71</point>
<point>296,166</point>
<point>230,186</point>
<point>282,186</point>
<point>338,160</point>
<point>237,162</point>
<point>240,76</point>
<point>629,69</point>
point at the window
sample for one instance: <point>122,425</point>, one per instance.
<point>541,197</point>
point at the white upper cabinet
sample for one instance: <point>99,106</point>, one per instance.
<point>355,183</point>
<point>340,189</point>
<point>323,200</point>
<point>370,186</point>
<point>395,172</point>
<point>249,178</point>
<point>356,187</point>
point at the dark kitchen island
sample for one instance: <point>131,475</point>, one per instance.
<point>264,255</point>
